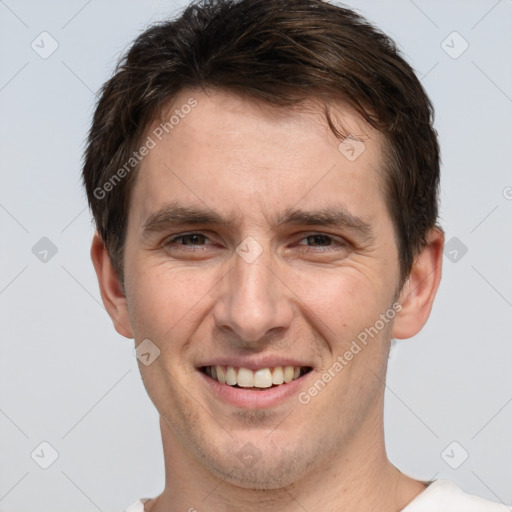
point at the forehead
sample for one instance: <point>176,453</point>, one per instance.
<point>221,111</point>
<point>230,151</point>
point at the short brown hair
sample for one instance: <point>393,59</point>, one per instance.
<point>281,52</point>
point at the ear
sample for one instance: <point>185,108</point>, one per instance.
<point>111,289</point>
<point>418,292</point>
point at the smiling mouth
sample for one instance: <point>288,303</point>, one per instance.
<point>263,378</point>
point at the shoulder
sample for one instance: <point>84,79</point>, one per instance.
<point>138,506</point>
<point>446,496</point>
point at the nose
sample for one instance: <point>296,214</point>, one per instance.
<point>254,302</point>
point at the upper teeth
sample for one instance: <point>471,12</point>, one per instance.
<point>246,378</point>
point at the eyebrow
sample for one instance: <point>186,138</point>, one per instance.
<point>176,214</point>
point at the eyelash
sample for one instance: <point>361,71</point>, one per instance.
<point>336,244</point>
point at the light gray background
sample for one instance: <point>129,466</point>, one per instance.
<point>67,378</point>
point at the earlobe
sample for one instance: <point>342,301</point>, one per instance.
<point>418,293</point>
<point>111,288</point>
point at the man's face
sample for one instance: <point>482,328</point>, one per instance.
<point>274,288</point>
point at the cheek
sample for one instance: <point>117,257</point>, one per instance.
<point>163,300</point>
<point>341,302</point>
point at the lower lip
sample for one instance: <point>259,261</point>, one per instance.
<point>251,398</point>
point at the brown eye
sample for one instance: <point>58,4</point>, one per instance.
<point>321,240</point>
<point>190,239</point>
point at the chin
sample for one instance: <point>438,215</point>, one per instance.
<point>260,468</point>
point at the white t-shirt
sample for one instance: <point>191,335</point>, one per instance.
<point>439,496</point>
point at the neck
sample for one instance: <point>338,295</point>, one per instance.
<point>358,478</point>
